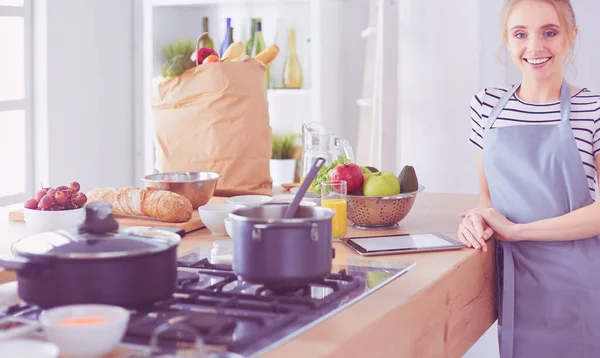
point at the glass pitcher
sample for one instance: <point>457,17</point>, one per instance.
<point>318,141</point>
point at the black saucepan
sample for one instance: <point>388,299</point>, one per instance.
<point>95,263</point>
<point>282,254</point>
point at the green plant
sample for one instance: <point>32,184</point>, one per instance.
<point>182,47</point>
<point>283,146</point>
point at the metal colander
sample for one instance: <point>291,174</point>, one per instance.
<point>371,212</point>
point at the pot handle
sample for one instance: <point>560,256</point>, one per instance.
<point>258,228</point>
<point>14,263</point>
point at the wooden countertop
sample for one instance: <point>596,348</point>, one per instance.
<point>439,308</point>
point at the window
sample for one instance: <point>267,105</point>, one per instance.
<point>16,132</point>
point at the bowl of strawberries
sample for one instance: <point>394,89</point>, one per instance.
<point>55,208</point>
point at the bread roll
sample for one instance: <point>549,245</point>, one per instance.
<point>159,204</point>
<point>234,51</point>
<point>267,55</point>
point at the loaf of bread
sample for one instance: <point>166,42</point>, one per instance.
<point>159,204</point>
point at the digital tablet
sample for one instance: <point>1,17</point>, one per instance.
<point>398,244</point>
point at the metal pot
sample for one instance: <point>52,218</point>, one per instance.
<point>282,254</point>
<point>95,263</point>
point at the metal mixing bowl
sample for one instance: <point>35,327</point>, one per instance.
<point>198,187</point>
<point>380,212</point>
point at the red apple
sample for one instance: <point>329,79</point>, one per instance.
<point>351,174</point>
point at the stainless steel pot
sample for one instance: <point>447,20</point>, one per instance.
<point>95,263</point>
<point>282,254</point>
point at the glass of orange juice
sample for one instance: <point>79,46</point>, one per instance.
<point>333,196</point>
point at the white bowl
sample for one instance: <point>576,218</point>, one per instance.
<point>250,200</point>
<point>287,198</point>
<point>41,221</point>
<point>213,216</point>
<point>64,326</point>
<point>29,348</point>
<point>229,226</point>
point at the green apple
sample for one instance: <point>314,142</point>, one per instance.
<point>381,184</point>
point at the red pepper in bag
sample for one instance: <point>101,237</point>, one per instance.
<point>203,53</point>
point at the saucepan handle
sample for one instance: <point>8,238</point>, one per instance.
<point>259,228</point>
<point>14,263</point>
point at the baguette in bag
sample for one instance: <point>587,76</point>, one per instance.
<point>267,55</point>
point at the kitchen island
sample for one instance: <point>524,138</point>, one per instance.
<point>437,309</point>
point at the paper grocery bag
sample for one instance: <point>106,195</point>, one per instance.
<point>214,117</point>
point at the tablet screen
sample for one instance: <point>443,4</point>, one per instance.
<point>401,242</point>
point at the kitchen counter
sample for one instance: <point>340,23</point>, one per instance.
<point>439,308</point>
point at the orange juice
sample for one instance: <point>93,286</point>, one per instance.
<point>338,223</point>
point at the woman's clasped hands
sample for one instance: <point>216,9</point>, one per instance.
<point>478,225</point>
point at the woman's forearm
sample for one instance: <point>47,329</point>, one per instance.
<point>576,225</point>
<point>484,202</point>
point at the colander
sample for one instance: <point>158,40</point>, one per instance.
<point>380,212</point>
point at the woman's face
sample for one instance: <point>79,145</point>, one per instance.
<point>536,41</point>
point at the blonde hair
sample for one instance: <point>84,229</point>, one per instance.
<point>566,15</point>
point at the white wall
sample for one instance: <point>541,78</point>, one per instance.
<point>83,92</point>
<point>438,73</point>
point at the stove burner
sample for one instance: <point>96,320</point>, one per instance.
<point>289,292</point>
<point>186,278</point>
<point>211,323</point>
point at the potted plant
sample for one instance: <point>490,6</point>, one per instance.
<point>283,161</point>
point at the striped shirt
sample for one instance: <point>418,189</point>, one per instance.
<point>585,121</point>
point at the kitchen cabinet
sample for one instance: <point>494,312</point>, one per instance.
<point>337,62</point>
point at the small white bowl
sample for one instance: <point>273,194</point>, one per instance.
<point>65,326</point>
<point>42,221</point>
<point>28,348</point>
<point>213,216</point>
<point>229,226</point>
<point>250,200</point>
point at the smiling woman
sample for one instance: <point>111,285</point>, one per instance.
<point>539,144</point>
<point>540,38</point>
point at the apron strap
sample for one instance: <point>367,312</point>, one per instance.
<point>565,102</point>
<point>508,302</point>
<point>499,107</point>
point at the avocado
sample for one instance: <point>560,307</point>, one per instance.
<point>408,179</point>
<point>372,169</point>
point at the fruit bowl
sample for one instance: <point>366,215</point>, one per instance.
<point>55,208</point>
<point>380,212</point>
<point>42,221</point>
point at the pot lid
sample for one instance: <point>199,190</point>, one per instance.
<point>98,237</point>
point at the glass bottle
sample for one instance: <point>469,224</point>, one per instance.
<point>259,45</point>
<point>292,73</point>
<point>228,40</point>
<point>206,41</point>
<point>250,42</point>
<point>276,67</point>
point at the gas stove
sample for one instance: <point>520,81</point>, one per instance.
<point>214,314</point>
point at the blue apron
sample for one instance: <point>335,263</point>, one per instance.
<point>549,292</point>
